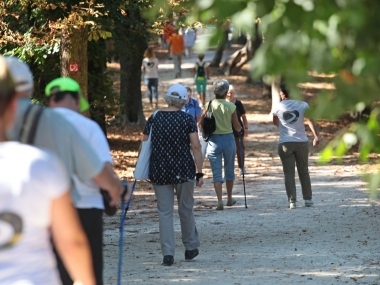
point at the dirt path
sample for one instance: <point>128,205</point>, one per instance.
<point>334,242</point>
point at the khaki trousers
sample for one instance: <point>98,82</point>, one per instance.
<point>291,154</point>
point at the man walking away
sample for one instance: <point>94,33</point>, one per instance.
<point>65,96</point>
<point>189,36</point>
<point>177,47</point>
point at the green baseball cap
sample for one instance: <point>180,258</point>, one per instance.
<point>63,84</point>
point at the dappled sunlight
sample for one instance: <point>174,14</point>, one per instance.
<point>267,243</point>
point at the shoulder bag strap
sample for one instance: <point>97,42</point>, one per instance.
<point>209,104</point>
<point>30,124</point>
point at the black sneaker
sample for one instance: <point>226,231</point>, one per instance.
<point>168,260</point>
<point>191,254</point>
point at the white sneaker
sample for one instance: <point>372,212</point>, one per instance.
<point>309,203</point>
<point>292,205</point>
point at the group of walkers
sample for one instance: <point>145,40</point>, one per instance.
<point>55,161</point>
<point>50,201</point>
<point>176,161</point>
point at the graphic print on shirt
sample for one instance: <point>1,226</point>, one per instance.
<point>150,64</point>
<point>10,229</point>
<point>291,116</point>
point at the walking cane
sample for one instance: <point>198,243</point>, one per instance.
<point>242,165</point>
<point>124,209</point>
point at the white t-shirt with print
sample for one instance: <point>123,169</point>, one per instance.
<point>93,134</point>
<point>290,113</point>
<point>151,67</point>
<point>30,180</point>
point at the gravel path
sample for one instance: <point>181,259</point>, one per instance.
<point>334,242</point>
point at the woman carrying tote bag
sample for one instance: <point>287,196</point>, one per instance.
<point>172,170</point>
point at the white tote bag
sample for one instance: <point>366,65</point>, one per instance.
<point>142,166</point>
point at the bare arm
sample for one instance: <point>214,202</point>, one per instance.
<point>201,121</point>
<point>276,122</point>
<point>108,180</point>
<point>71,241</point>
<point>208,72</point>
<point>313,130</point>
<point>235,122</point>
<point>197,152</point>
<point>245,123</point>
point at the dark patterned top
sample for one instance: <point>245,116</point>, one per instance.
<point>171,156</point>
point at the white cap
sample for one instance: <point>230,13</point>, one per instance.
<point>20,73</point>
<point>177,91</point>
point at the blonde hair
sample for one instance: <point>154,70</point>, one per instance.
<point>7,86</point>
<point>149,53</point>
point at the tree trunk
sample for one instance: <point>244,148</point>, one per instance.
<point>98,86</point>
<point>74,58</point>
<point>131,44</point>
<point>219,52</point>
<point>236,61</point>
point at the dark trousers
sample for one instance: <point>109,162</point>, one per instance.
<point>92,223</point>
<point>152,88</point>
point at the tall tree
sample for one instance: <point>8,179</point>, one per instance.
<point>130,41</point>
<point>225,30</point>
<point>237,60</point>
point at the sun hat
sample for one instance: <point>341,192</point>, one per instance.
<point>66,84</point>
<point>221,87</point>
<point>177,91</point>
<point>21,74</point>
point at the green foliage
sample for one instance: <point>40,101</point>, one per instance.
<point>337,37</point>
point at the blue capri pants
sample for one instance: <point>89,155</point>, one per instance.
<point>219,148</point>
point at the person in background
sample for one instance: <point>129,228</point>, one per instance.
<point>189,36</point>
<point>201,73</point>
<point>172,171</point>
<point>35,204</point>
<point>64,95</point>
<point>192,106</point>
<point>150,68</point>
<point>239,139</point>
<point>293,145</point>
<point>177,48</point>
<point>59,136</point>
<point>221,145</point>
<point>167,33</point>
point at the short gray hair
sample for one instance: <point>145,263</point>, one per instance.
<point>220,88</point>
<point>172,101</point>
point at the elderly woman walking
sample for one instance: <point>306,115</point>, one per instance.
<point>221,144</point>
<point>172,170</point>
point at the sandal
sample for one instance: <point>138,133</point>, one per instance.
<point>220,207</point>
<point>231,202</point>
